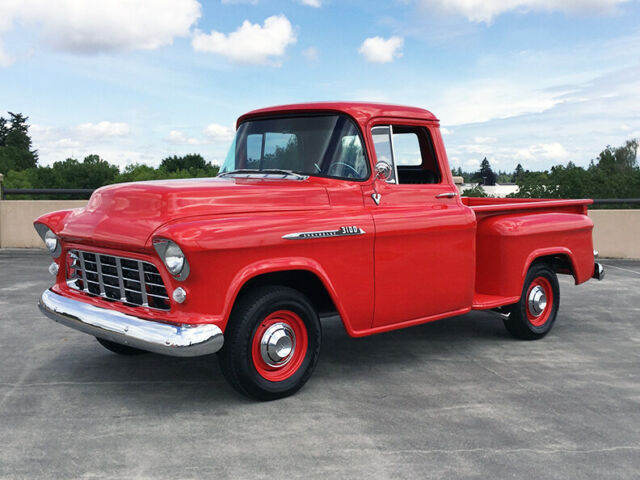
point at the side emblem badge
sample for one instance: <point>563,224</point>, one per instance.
<point>376,198</point>
<point>341,232</point>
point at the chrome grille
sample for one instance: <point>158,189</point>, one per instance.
<point>130,281</point>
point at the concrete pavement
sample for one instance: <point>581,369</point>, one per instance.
<point>457,398</point>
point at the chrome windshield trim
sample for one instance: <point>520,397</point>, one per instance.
<point>163,338</point>
<point>341,232</point>
<point>264,173</point>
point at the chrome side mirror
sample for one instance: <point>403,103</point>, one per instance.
<point>383,170</point>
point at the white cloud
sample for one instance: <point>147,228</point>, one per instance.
<point>91,26</point>
<point>446,131</point>
<point>219,133</point>
<point>485,140</point>
<point>250,43</point>
<point>102,129</point>
<point>487,10</point>
<point>312,3</point>
<point>311,53</point>
<point>5,58</point>
<point>379,50</point>
<point>484,100</point>
<point>179,138</point>
<point>545,151</point>
<point>66,143</point>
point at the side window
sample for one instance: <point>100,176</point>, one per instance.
<point>406,149</point>
<point>409,150</point>
<point>384,151</point>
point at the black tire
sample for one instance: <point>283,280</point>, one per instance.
<point>119,348</point>
<point>248,319</point>
<point>522,323</point>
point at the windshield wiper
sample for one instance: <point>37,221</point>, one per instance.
<point>264,170</point>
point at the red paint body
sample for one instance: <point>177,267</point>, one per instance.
<point>421,258</point>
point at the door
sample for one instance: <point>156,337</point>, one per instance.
<point>425,238</point>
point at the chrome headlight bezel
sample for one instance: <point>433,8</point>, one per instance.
<point>50,239</point>
<point>174,259</point>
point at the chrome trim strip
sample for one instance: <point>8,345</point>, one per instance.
<point>143,285</point>
<point>123,293</point>
<point>163,338</point>
<point>100,279</point>
<point>85,284</point>
<point>341,232</point>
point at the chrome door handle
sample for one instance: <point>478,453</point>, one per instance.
<point>447,195</point>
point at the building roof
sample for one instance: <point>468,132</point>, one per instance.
<point>361,111</point>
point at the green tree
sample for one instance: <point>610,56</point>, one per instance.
<point>619,160</point>
<point>519,171</point>
<point>485,176</point>
<point>191,161</point>
<point>4,130</point>
<point>15,144</point>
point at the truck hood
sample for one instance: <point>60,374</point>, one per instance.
<point>127,214</point>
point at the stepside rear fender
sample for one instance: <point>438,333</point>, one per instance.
<point>507,245</point>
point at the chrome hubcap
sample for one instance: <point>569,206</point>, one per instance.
<point>537,301</point>
<point>277,344</point>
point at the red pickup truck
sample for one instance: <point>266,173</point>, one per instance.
<point>319,209</point>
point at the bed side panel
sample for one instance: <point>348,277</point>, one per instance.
<point>508,244</point>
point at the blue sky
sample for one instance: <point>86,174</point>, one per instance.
<point>537,82</point>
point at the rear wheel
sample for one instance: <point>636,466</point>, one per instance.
<point>272,343</point>
<point>533,316</point>
<point>119,348</point>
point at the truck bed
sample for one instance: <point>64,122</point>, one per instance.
<point>512,232</point>
<point>496,205</point>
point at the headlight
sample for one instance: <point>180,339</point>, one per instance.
<point>49,238</point>
<point>173,258</point>
<point>51,241</point>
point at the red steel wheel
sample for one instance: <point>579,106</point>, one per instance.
<point>539,301</point>
<point>279,345</point>
<point>536,311</point>
<point>271,343</point>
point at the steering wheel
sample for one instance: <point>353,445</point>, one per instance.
<point>344,164</point>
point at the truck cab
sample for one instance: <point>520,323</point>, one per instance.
<point>319,209</point>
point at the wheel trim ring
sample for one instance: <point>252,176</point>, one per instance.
<point>280,371</point>
<point>539,318</point>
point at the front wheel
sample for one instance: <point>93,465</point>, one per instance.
<point>533,316</point>
<point>272,343</point>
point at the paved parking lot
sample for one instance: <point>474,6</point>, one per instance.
<point>452,399</point>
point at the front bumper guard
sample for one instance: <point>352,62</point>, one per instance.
<point>163,338</point>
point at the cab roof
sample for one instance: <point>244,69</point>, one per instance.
<point>361,111</point>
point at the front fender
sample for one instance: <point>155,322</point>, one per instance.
<point>227,251</point>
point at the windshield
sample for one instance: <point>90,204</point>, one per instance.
<point>324,145</point>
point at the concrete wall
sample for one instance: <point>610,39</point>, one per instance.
<point>17,216</point>
<point>616,233</point>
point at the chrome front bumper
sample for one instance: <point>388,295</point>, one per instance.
<point>177,341</point>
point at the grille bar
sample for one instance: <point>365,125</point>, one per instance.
<point>135,282</point>
<point>123,295</point>
<point>84,275</point>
